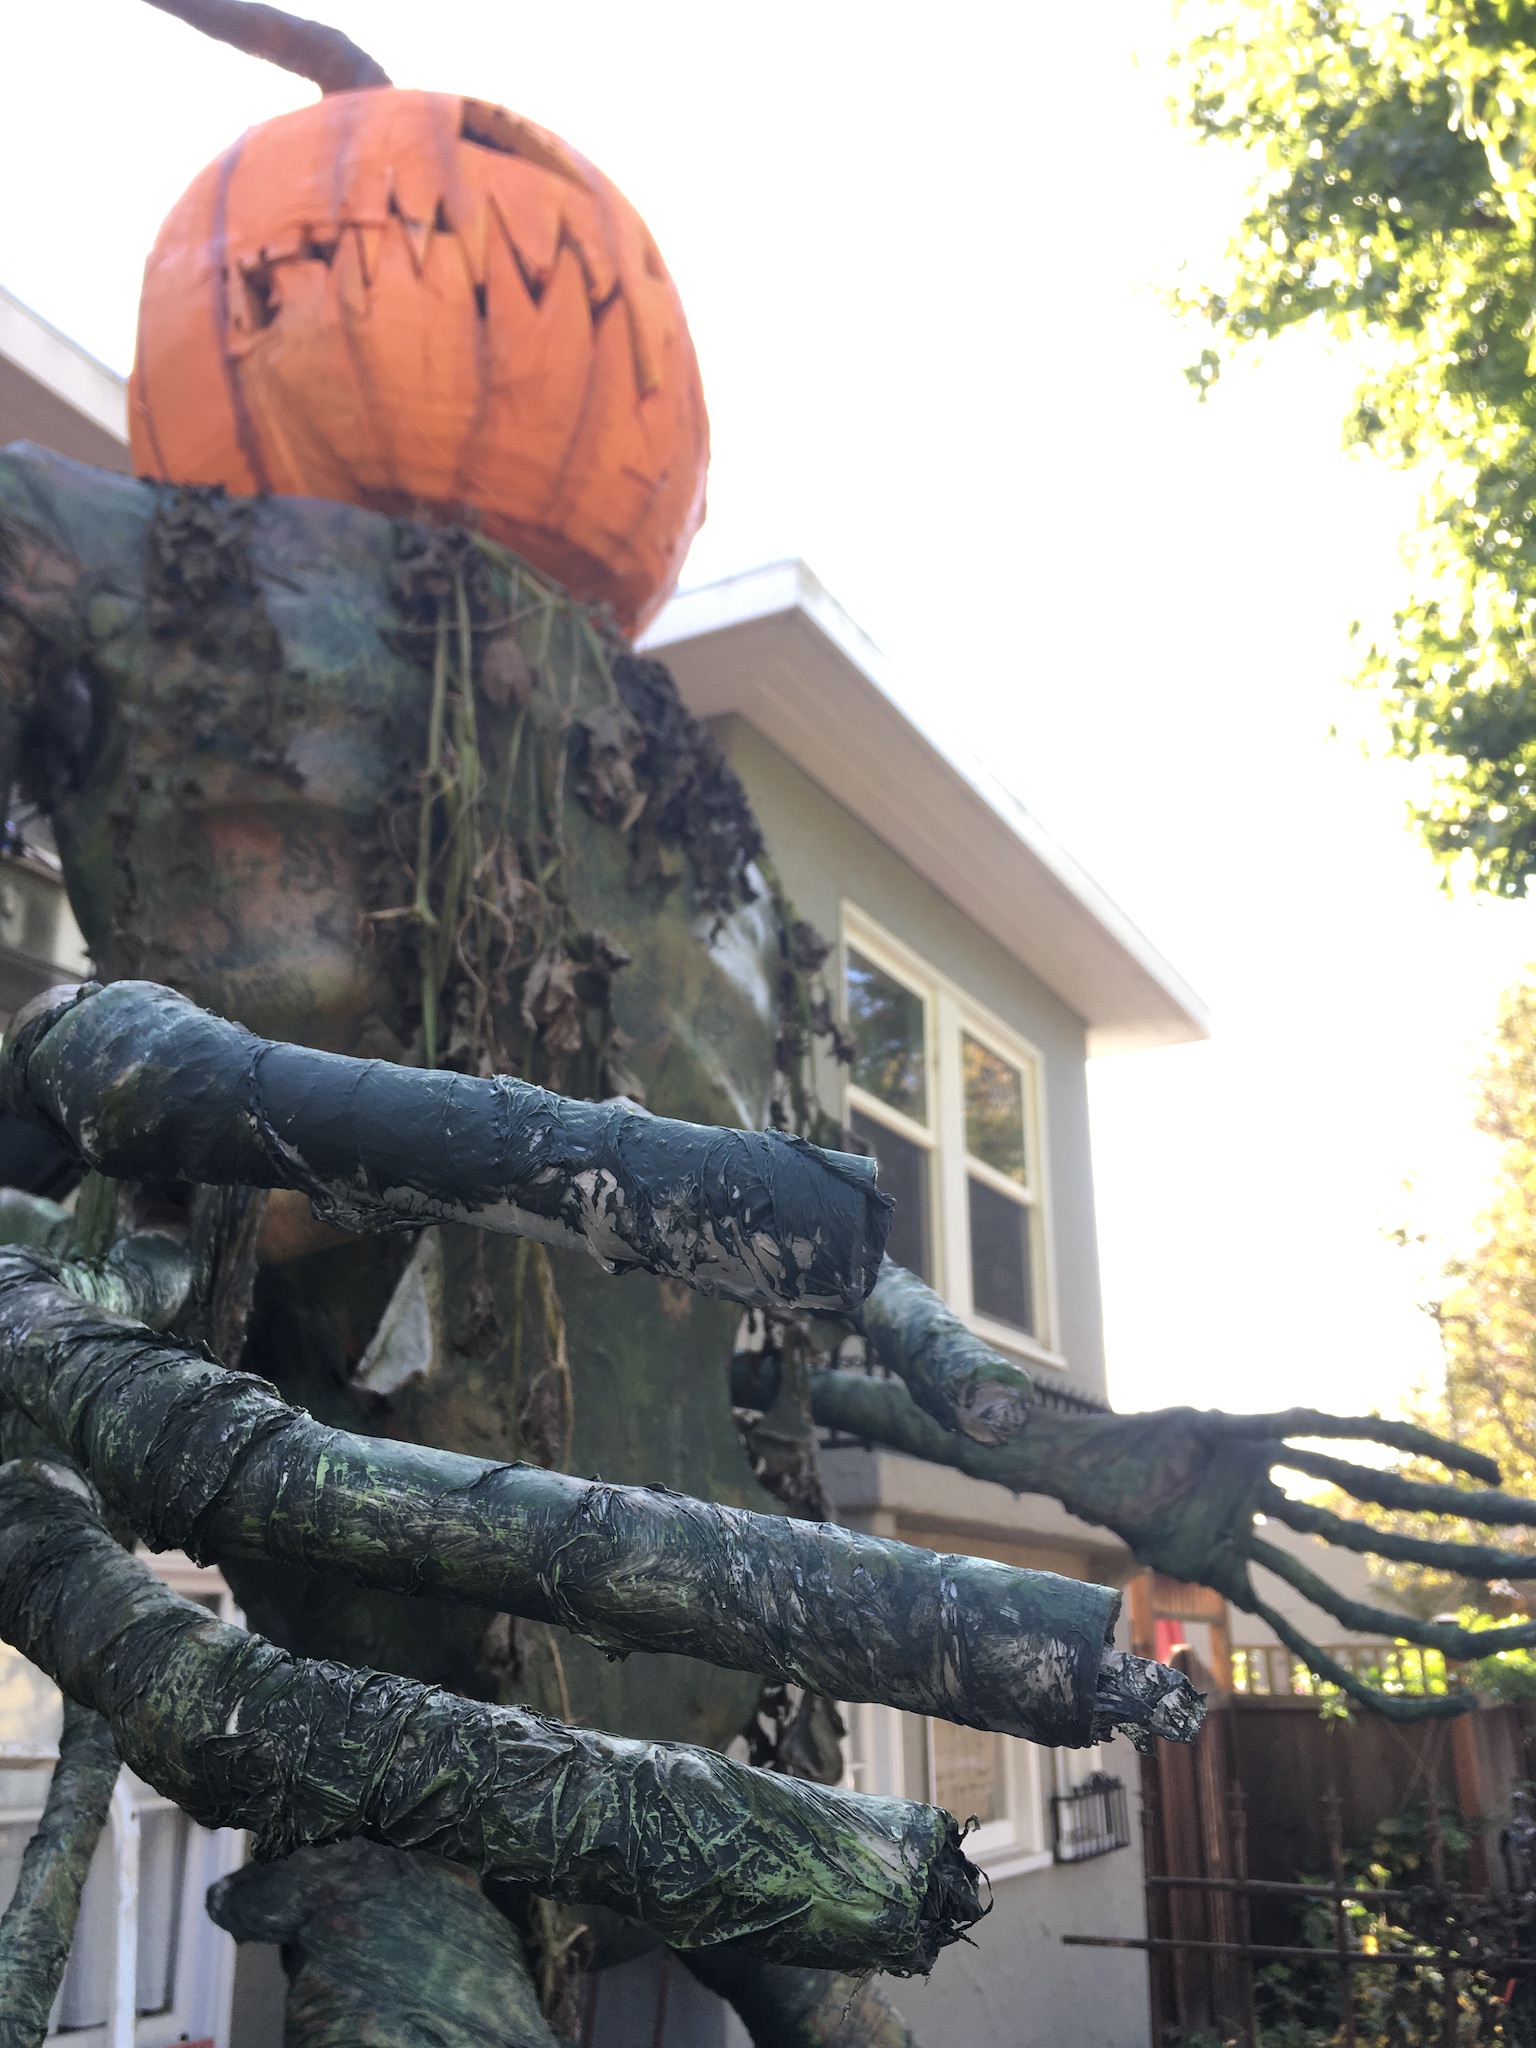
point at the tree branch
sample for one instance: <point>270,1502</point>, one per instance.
<point>287,40</point>
<point>142,1084</point>
<point>214,1463</point>
<point>240,1734</point>
<point>39,1923</point>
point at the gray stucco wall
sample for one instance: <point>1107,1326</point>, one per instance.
<point>823,856</point>
<point>1019,1987</point>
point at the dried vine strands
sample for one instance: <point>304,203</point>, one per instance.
<point>140,1083</point>
<point>480,845</point>
<point>197,1458</point>
<point>241,1734</point>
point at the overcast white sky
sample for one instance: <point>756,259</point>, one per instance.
<point>918,260</point>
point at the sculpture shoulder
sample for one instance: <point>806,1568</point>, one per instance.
<point>213,615</point>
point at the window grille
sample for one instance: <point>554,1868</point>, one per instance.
<point>1090,1820</point>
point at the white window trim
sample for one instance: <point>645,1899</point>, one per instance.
<point>204,1966</point>
<point>203,1970</point>
<point>1012,1847</point>
<point>947,1012</point>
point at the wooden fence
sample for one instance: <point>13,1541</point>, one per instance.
<point>1273,1792</point>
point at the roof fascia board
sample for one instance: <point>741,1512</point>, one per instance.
<point>63,367</point>
<point>774,648</point>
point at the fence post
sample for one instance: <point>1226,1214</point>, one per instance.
<point>1237,1828</point>
<point>1159,1923</point>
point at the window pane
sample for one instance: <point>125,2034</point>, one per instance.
<point>994,1109</point>
<point>887,1025</point>
<point>1001,1283</point>
<point>968,1777</point>
<point>904,1174</point>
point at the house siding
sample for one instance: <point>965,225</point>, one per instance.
<point>824,856</point>
<point>1018,1986</point>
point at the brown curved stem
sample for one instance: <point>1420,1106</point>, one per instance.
<point>332,60</point>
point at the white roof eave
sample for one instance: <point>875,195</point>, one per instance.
<point>772,647</point>
<point>63,367</point>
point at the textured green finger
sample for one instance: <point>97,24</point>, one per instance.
<point>1369,1619</point>
<point>1472,1560</point>
<point>1393,1706</point>
<point>1376,1429</point>
<point>1468,1504</point>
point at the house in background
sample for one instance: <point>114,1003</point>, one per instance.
<point>978,968</point>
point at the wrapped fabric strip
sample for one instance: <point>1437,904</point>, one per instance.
<point>949,1372</point>
<point>240,1734</point>
<point>142,1084</point>
<point>146,1277</point>
<point>386,1949</point>
<point>215,1463</point>
<point>785,2008</point>
<point>39,1923</point>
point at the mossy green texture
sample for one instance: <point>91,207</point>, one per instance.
<point>39,1923</point>
<point>385,1950</point>
<point>215,748</point>
<point>145,1085</point>
<point>212,1462</point>
<point>783,2007</point>
<point>300,1752</point>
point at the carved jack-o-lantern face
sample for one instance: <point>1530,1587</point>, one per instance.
<point>425,304</point>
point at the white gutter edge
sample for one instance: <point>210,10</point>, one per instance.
<point>63,367</point>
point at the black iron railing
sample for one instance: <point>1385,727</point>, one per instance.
<point>1090,1820</point>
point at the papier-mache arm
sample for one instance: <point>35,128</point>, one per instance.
<point>1183,1489</point>
<point>142,1084</point>
<point>215,1463</point>
<point>241,1734</point>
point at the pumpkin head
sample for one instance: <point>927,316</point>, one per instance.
<point>425,304</point>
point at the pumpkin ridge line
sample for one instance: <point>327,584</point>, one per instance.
<point>245,425</point>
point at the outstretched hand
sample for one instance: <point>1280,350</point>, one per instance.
<point>1182,1488</point>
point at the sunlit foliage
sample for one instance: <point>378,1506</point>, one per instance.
<point>1395,202</point>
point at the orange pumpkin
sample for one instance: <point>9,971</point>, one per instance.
<point>426,304</point>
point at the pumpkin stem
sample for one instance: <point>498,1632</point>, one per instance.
<point>311,49</point>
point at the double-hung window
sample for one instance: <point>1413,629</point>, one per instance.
<point>891,1098</point>
<point>948,1100</point>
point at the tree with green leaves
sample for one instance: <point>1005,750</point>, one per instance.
<point>1394,203</point>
